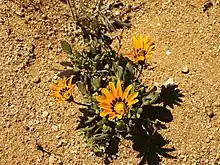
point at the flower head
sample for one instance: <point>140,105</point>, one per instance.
<point>115,102</point>
<point>142,49</point>
<point>63,89</point>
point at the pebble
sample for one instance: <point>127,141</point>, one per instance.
<point>20,12</point>
<point>45,114</point>
<point>36,36</point>
<point>26,128</point>
<point>44,16</point>
<point>217,158</point>
<point>185,70</point>
<point>168,52</point>
<point>210,114</point>
<point>36,80</point>
<point>216,104</point>
<point>55,128</point>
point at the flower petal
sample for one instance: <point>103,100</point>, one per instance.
<point>105,105</point>
<point>107,94</point>
<point>127,90</point>
<point>100,98</point>
<point>113,90</point>
<point>119,89</point>
<point>112,116</point>
<point>130,103</point>
<point>132,96</point>
<point>105,113</point>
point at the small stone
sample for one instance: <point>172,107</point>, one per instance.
<point>45,114</point>
<point>55,128</point>
<point>36,36</point>
<point>217,158</point>
<point>36,80</point>
<point>62,143</point>
<point>168,52</point>
<point>26,128</point>
<point>185,70</point>
<point>216,104</point>
<point>20,12</point>
<point>44,16</point>
<point>117,13</point>
<point>58,136</point>
<point>210,114</point>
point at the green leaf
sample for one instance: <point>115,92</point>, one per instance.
<point>66,63</point>
<point>76,69</point>
<point>66,73</point>
<point>106,66</point>
<point>96,83</point>
<point>101,122</point>
<point>66,47</point>
<point>128,73</point>
<point>97,57</point>
<point>88,128</point>
<point>118,70</point>
<point>130,67</point>
<point>98,137</point>
<point>120,125</point>
<point>150,98</point>
<point>82,88</point>
<point>138,115</point>
<point>90,119</point>
<point>140,110</point>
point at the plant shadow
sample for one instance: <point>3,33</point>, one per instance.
<point>147,140</point>
<point>170,96</point>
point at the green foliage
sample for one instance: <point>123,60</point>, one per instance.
<point>93,69</point>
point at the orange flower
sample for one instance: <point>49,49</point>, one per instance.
<point>142,49</point>
<point>115,102</point>
<point>63,89</point>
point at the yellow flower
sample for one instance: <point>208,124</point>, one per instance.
<point>63,89</point>
<point>115,102</point>
<point>142,49</point>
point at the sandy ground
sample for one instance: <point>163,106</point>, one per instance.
<point>187,40</point>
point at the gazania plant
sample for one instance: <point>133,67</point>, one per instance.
<point>116,104</point>
<point>116,100</point>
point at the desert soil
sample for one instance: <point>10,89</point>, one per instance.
<point>187,40</point>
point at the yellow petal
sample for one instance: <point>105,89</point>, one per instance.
<point>60,101</point>
<point>130,103</point>
<point>119,89</point>
<point>105,113</point>
<point>148,45</point>
<point>112,116</point>
<point>113,90</point>
<point>55,88</point>
<point>107,94</point>
<point>119,116</point>
<point>105,106</point>
<point>127,90</point>
<point>132,96</point>
<point>136,44</point>
<point>100,98</point>
<point>140,58</point>
<point>141,43</point>
<point>146,40</point>
<point>56,95</point>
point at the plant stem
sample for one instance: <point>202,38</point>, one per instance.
<point>142,67</point>
<point>76,102</point>
<point>74,15</point>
